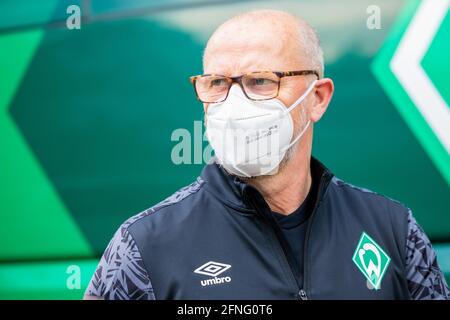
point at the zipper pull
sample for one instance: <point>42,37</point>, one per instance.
<point>302,294</point>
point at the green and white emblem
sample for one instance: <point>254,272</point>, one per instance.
<point>371,260</point>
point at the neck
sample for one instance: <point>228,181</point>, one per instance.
<point>285,191</point>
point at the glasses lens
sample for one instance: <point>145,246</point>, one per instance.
<point>212,88</point>
<point>261,85</point>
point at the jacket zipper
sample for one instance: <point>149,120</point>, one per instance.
<point>302,290</point>
<point>322,184</point>
<point>278,244</point>
<point>282,252</point>
<point>302,294</point>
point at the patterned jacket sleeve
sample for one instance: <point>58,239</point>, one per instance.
<point>425,279</point>
<point>121,274</point>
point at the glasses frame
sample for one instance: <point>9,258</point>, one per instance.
<point>238,80</point>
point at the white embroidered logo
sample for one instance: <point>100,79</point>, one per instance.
<point>213,269</point>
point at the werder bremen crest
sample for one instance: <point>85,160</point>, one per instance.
<point>371,260</point>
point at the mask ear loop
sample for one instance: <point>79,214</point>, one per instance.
<point>294,105</point>
<point>302,97</point>
<point>298,136</point>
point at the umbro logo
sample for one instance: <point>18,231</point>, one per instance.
<point>213,269</point>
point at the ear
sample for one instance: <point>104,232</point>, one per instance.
<point>323,92</point>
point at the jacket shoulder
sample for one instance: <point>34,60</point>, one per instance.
<point>121,272</point>
<point>178,202</point>
<point>385,219</point>
<point>370,198</point>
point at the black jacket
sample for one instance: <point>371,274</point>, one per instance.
<point>217,239</point>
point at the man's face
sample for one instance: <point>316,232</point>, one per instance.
<point>243,48</point>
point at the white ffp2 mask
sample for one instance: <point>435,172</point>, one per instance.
<point>250,138</point>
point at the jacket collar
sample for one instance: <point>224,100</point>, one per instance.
<point>232,191</point>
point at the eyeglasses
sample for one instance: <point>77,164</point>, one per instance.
<point>258,85</point>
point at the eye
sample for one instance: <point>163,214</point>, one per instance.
<point>218,82</point>
<point>261,82</point>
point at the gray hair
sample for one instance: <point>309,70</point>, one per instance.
<point>310,45</point>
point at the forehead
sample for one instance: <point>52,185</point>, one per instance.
<point>245,48</point>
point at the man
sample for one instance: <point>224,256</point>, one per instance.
<point>265,220</point>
